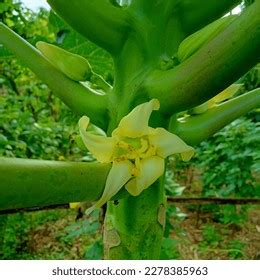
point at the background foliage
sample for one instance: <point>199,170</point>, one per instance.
<point>35,124</point>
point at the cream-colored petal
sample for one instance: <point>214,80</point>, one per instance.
<point>186,156</point>
<point>97,143</point>
<point>150,170</point>
<point>118,175</point>
<point>135,124</point>
<point>167,144</point>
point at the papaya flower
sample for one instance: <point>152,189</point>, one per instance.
<point>136,151</point>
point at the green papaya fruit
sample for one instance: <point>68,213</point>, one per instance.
<point>72,65</point>
<point>195,41</point>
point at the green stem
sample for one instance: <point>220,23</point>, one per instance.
<point>194,129</point>
<point>146,7</point>
<point>197,14</point>
<point>81,100</point>
<point>100,82</point>
<point>212,68</point>
<point>134,227</point>
<point>29,183</point>
<point>97,20</point>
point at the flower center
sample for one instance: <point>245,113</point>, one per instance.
<point>134,149</point>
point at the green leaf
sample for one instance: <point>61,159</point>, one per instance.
<point>81,228</point>
<point>72,41</point>
<point>4,7</point>
<point>94,251</point>
<point>170,249</point>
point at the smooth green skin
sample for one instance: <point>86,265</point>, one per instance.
<point>142,38</point>
<point>29,183</point>
<point>215,118</point>
<point>139,221</point>
<point>97,20</point>
<point>211,69</point>
<point>78,98</point>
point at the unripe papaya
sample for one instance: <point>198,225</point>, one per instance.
<point>72,65</point>
<point>195,41</point>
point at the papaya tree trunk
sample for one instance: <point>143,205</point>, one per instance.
<point>134,226</point>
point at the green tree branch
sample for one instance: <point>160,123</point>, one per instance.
<point>212,68</point>
<point>147,7</point>
<point>196,14</point>
<point>98,20</point>
<point>29,183</point>
<point>80,99</point>
<point>194,129</point>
